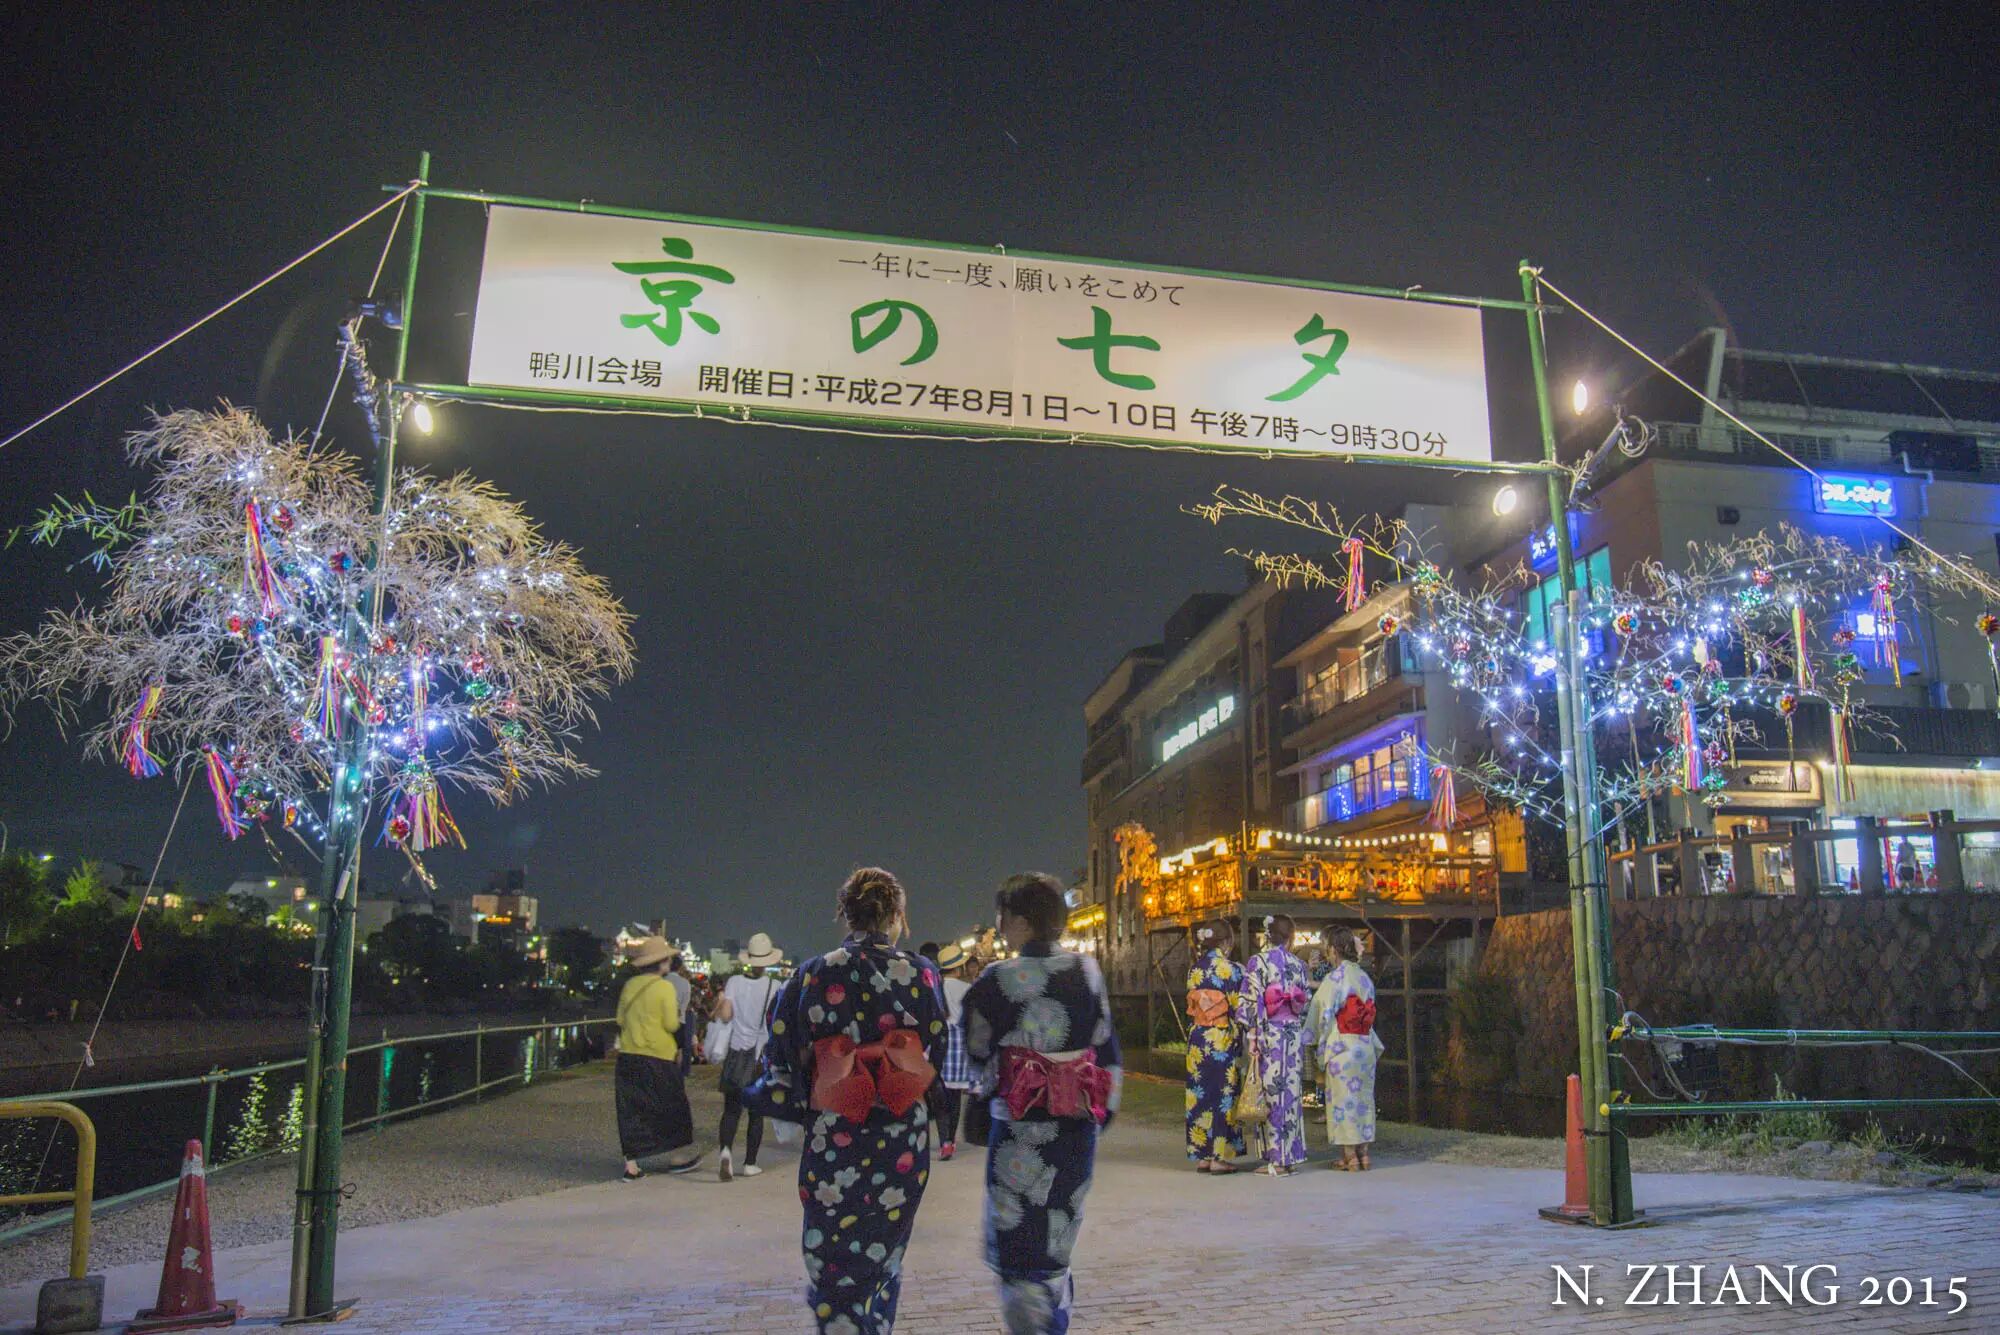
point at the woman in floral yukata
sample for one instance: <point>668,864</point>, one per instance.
<point>857,1036</point>
<point>1341,1027</point>
<point>1038,1033</point>
<point>1272,1009</point>
<point>1214,1044</point>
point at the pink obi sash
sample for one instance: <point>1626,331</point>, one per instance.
<point>1285,1005</point>
<point>1078,1087</point>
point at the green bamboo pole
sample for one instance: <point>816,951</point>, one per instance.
<point>342,874</point>
<point>1608,1165</point>
<point>1785,1105</point>
<point>1697,1033</point>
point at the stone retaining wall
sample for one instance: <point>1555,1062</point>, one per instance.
<point>1832,962</point>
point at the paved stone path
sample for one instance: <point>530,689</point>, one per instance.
<point>1414,1246</point>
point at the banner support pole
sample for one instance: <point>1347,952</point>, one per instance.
<point>1607,1159</point>
<point>341,872</point>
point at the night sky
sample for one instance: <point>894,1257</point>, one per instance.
<point>864,650</point>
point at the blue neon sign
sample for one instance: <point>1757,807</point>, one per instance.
<point>1853,494</point>
<point>1542,544</point>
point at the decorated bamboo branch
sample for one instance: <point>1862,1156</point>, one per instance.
<point>226,637</point>
<point>1685,663</point>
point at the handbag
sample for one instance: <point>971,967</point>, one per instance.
<point>739,1068</point>
<point>715,1042</point>
<point>1251,1107</point>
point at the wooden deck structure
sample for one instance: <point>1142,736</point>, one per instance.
<point>1405,895</point>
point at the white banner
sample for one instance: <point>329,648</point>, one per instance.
<point>780,321</point>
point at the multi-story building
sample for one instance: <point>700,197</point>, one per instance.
<point>504,912</point>
<point>1183,742</point>
<point>1916,445</point>
<point>1369,717</point>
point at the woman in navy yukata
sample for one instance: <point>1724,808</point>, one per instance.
<point>1215,1042</point>
<point>1038,1033</point>
<point>857,1036</point>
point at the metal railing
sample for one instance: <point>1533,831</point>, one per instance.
<point>1399,781</point>
<point>1375,667</point>
<point>78,1197</point>
<point>541,1049</point>
<point>1793,861</point>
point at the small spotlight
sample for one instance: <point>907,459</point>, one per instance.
<point>421,418</point>
<point>1579,398</point>
<point>1506,500</point>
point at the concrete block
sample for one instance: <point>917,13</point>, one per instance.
<point>69,1305</point>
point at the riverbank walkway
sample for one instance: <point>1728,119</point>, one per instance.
<point>1428,1242</point>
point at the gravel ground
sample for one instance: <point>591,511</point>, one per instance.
<point>558,1134</point>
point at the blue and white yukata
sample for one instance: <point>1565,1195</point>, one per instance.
<point>1037,1030</point>
<point>860,1181</point>
<point>1341,1028</point>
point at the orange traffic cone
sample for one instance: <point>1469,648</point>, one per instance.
<point>187,1281</point>
<point>1576,1179</point>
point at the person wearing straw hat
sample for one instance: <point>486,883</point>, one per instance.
<point>653,1113</point>
<point>746,1006</point>
<point>952,960</point>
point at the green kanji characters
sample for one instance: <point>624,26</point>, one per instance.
<point>891,312</point>
<point>676,296</point>
<point>1321,365</point>
<point>1100,341</point>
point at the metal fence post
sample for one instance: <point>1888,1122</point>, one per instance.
<point>1946,859</point>
<point>478,1069</point>
<point>208,1117</point>
<point>382,1080</point>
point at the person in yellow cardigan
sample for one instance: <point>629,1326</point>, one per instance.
<point>653,1113</point>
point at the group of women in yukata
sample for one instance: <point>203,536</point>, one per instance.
<point>859,1038</point>
<point>1252,1026</point>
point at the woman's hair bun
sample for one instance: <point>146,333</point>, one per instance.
<point>870,899</point>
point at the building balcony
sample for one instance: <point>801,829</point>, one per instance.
<point>1381,665</point>
<point>1904,730</point>
<point>1104,751</point>
<point>1404,780</point>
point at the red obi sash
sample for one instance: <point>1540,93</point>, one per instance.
<point>1283,1003</point>
<point>1078,1087</point>
<point>850,1078</point>
<point>1355,1017</point>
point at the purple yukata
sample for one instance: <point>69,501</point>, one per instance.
<point>1272,1007</point>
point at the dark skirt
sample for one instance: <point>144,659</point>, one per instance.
<point>653,1113</point>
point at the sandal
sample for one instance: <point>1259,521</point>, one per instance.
<point>1222,1168</point>
<point>633,1176</point>
<point>1364,1161</point>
